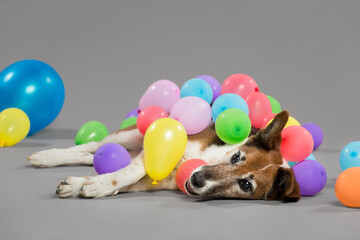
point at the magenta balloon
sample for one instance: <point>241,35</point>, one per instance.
<point>162,93</point>
<point>259,107</point>
<point>215,85</point>
<point>193,113</point>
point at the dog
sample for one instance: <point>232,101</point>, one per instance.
<point>252,169</point>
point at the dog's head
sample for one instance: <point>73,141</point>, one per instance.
<point>252,171</point>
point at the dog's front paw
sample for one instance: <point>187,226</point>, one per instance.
<point>70,187</point>
<point>43,158</point>
<point>99,187</point>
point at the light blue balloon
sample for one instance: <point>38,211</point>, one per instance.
<point>310,157</point>
<point>350,156</point>
<point>226,101</point>
<point>34,87</point>
<point>198,88</point>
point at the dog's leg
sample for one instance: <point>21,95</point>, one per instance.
<point>103,185</point>
<point>129,138</point>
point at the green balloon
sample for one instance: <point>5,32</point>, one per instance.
<point>92,131</point>
<point>275,105</point>
<point>128,122</point>
<point>233,126</point>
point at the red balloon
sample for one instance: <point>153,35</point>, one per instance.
<point>185,170</point>
<point>267,119</point>
<point>239,84</point>
<point>297,143</point>
<point>147,116</point>
<point>259,107</point>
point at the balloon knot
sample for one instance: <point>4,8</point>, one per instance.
<point>154,182</point>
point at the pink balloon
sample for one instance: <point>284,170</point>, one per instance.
<point>297,143</point>
<point>162,93</point>
<point>148,116</point>
<point>193,113</point>
<point>239,84</point>
<point>259,107</point>
<point>267,119</point>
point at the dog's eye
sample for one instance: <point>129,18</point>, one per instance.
<point>236,158</point>
<point>245,185</point>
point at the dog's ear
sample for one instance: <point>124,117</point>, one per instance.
<point>269,138</point>
<point>284,186</point>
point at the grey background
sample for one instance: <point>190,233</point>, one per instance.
<point>304,53</point>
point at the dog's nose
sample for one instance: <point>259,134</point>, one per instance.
<point>198,180</point>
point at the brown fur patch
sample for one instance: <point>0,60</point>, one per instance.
<point>206,137</point>
<point>114,182</point>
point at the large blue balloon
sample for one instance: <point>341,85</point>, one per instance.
<point>36,88</point>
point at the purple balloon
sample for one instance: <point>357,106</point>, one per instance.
<point>215,85</point>
<point>316,133</point>
<point>133,113</point>
<point>311,177</point>
<point>111,157</point>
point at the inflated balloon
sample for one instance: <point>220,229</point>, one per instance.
<point>311,157</point>
<point>111,157</point>
<point>215,85</point>
<point>193,113</point>
<point>296,144</point>
<point>275,105</point>
<point>350,156</point>
<point>197,87</point>
<point>133,113</point>
<point>34,87</point>
<point>233,126</point>
<point>267,119</point>
<point>148,115</point>
<point>91,131</point>
<point>239,84</point>
<point>316,133</point>
<point>14,126</point>
<point>162,93</point>
<point>226,101</point>
<point>128,122</point>
<point>164,144</point>
<point>184,172</point>
<point>311,177</point>
<point>347,187</point>
<point>291,122</point>
<point>259,107</point>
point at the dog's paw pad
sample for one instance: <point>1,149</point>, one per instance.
<point>70,187</point>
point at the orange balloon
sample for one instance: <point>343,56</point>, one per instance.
<point>347,187</point>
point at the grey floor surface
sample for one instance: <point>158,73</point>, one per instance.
<point>30,209</point>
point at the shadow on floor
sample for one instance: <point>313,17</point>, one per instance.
<point>55,134</point>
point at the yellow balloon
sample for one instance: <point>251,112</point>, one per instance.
<point>291,122</point>
<point>14,126</point>
<point>164,145</point>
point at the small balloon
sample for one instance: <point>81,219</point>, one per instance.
<point>226,101</point>
<point>133,113</point>
<point>184,172</point>
<point>291,122</point>
<point>350,156</point>
<point>239,84</point>
<point>164,145</point>
<point>197,87</point>
<point>128,122</point>
<point>148,115</point>
<point>311,177</point>
<point>233,126</point>
<point>297,143</point>
<point>14,126</point>
<point>347,187</point>
<point>92,131</point>
<point>34,87</point>
<point>316,133</point>
<point>311,157</point>
<point>162,93</point>
<point>275,105</point>
<point>215,85</point>
<point>193,113</point>
<point>259,107</point>
<point>111,157</point>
